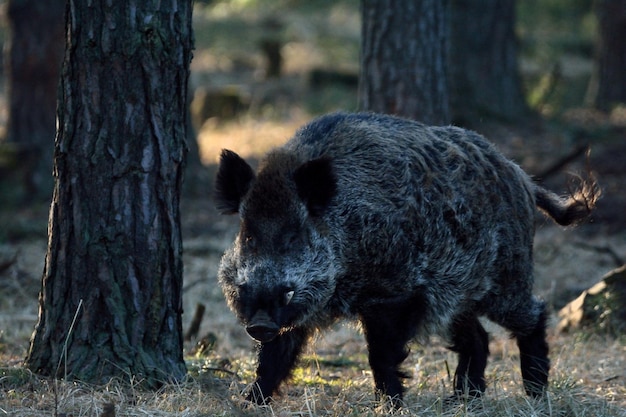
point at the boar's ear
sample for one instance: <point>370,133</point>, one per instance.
<point>232,182</point>
<point>316,184</point>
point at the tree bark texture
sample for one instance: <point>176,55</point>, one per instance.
<point>110,303</point>
<point>33,67</point>
<point>404,59</point>
<point>484,77</point>
<point>611,53</point>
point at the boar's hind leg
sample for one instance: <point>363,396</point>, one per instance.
<point>276,360</point>
<point>470,341</point>
<point>528,325</point>
<point>534,360</point>
<point>388,328</point>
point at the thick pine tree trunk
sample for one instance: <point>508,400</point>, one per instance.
<point>484,77</point>
<point>114,260</point>
<point>33,65</point>
<point>611,53</point>
<point>404,59</point>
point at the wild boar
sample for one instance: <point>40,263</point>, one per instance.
<point>412,230</point>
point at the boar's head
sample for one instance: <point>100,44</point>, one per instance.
<point>280,272</point>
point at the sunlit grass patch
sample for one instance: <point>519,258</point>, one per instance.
<point>333,373</point>
<point>249,137</point>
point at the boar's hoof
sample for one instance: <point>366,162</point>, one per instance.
<point>263,332</point>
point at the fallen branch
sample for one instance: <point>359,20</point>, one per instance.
<point>558,165</point>
<point>7,263</point>
<point>617,259</point>
<point>217,369</point>
<point>194,327</point>
<point>193,284</point>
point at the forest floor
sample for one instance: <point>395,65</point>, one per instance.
<point>588,375</point>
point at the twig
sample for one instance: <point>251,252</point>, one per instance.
<point>217,369</point>
<point>64,357</point>
<point>557,166</point>
<point>194,327</point>
<point>6,264</point>
<point>606,249</point>
<point>193,284</point>
<point>67,338</point>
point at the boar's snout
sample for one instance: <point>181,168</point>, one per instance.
<point>261,327</point>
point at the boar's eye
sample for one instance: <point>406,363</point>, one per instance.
<point>287,296</point>
<point>247,235</point>
<point>249,242</point>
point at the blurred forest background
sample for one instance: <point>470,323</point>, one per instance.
<point>263,68</point>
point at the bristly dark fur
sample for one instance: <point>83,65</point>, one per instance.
<point>413,230</point>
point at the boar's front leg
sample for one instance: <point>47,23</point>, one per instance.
<point>388,327</point>
<point>276,359</point>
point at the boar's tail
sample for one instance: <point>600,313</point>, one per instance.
<point>573,208</point>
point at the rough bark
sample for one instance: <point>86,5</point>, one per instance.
<point>611,60</point>
<point>33,66</point>
<point>110,303</point>
<point>484,76</point>
<point>404,59</point>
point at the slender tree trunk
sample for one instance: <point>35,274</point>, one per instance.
<point>611,59</point>
<point>33,66</point>
<point>110,303</point>
<point>484,77</point>
<point>404,58</point>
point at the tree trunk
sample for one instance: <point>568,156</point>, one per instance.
<point>404,59</point>
<point>611,60</point>
<point>599,309</point>
<point>33,66</point>
<point>110,303</point>
<point>484,77</point>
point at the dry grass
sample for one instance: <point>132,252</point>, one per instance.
<point>587,380</point>
<point>333,379</point>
